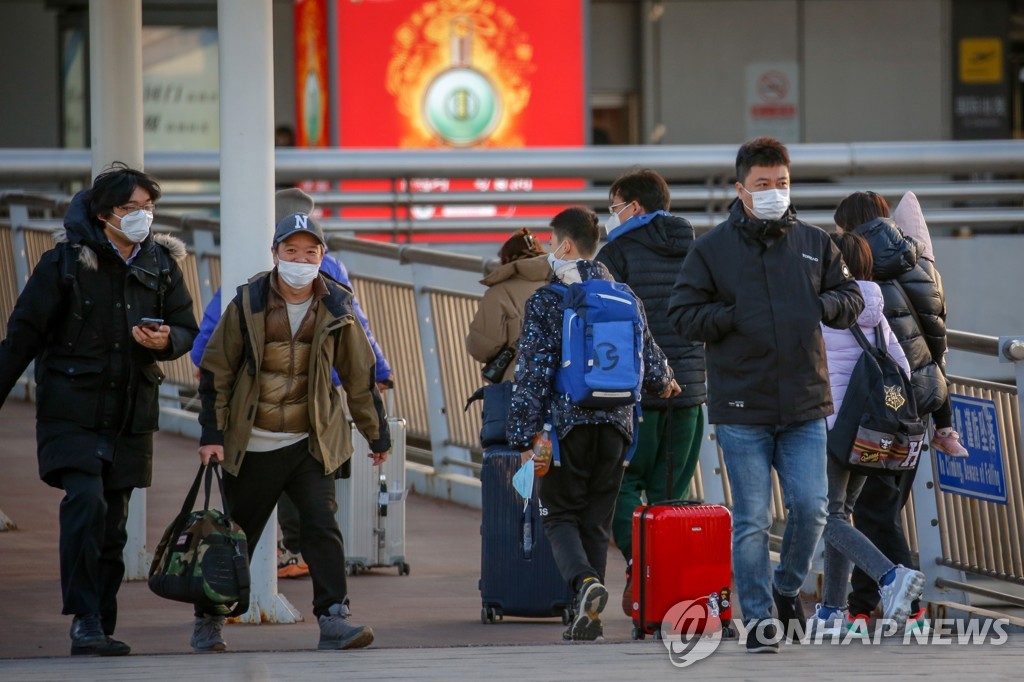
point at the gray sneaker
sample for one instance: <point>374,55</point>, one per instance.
<point>906,586</point>
<point>337,633</point>
<point>207,635</point>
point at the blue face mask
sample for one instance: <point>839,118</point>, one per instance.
<point>522,481</point>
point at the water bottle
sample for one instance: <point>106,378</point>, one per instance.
<point>542,451</point>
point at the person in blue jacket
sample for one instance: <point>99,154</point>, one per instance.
<point>288,202</point>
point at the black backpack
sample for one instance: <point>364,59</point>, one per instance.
<point>878,430</point>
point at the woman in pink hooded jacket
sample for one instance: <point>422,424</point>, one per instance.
<point>844,544</point>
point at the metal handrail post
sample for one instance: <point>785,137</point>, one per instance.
<point>203,246</point>
<point>19,223</point>
<point>710,470</point>
<point>1011,349</point>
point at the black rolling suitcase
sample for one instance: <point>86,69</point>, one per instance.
<point>518,576</point>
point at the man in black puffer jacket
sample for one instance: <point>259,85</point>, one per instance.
<point>755,289</point>
<point>646,247</point>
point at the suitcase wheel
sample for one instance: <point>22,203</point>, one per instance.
<point>638,633</point>
<point>489,615</point>
<point>353,569</point>
<point>728,632</point>
<point>566,616</point>
<point>656,634</point>
<point>403,568</point>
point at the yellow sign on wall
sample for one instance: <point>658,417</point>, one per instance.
<point>981,60</point>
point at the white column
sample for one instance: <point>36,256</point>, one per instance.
<point>115,73</point>
<point>115,81</point>
<point>245,32</point>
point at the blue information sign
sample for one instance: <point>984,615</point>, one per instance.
<point>980,474</point>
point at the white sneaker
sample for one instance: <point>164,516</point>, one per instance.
<point>906,586</point>
<point>826,620</point>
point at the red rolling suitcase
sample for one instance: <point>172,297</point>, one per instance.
<point>682,551</point>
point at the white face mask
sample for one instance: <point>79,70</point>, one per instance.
<point>297,275</point>
<point>135,225</point>
<point>769,204</point>
<point>613,221</point>
<point>554,261</point>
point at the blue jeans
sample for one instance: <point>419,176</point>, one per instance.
<point>797,452</point>
<point>845,546</point>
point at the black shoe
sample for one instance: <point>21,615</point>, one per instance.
<point>87,639</point>
<point>791,613</point>
<point>762,637</point>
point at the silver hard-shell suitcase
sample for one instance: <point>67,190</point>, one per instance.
<point>371,506</point>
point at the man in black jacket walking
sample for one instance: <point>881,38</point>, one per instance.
<point>98,312</point>
<point>755,289</point>
<point>646,247</point>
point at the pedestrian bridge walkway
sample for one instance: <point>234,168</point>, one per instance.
<point>427,623</point>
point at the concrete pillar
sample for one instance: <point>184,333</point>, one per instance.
<point>115,73</point>
<point>115,77</point>
<point>245,32</point>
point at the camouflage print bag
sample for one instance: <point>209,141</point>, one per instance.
<point>202,558</point>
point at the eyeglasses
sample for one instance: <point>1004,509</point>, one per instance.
<point>132,208</point>
<point>611,209</point>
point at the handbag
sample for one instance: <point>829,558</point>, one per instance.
<point>203,556</point>
<point>877,430</point>
<point>497,403</point>
<point>494,370</point>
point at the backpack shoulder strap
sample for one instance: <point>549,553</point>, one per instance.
<point>69,265</point>
<point>248,355</point>
<point>910,306</point>
<point>880,339</point>
<point>861,339</point>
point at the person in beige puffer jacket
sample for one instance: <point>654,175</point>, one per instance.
<point>524,269</point>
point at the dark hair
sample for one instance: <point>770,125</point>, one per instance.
<point>859,208</point>
<point>285,131</point>
<point>856,254</point>
<point>761,151</point>
<point>522,244</point>
<point>579,224</point>
<point>115,186</point>
<point>645,187</point>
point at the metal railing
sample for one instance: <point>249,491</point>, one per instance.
<point>702,175</point>
<point>24,166</point>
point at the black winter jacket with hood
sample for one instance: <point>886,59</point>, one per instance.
<point>754,291</point>
<point>898,264</point>
<point>97,389</point>
<point>647,256</point>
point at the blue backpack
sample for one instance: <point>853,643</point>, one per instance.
<point>602,344</point>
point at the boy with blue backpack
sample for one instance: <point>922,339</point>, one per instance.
<point>585,355</point>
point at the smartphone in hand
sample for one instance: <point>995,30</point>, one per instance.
<point>151,323</point>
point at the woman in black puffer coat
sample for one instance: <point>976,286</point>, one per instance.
<point>915,307</point>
